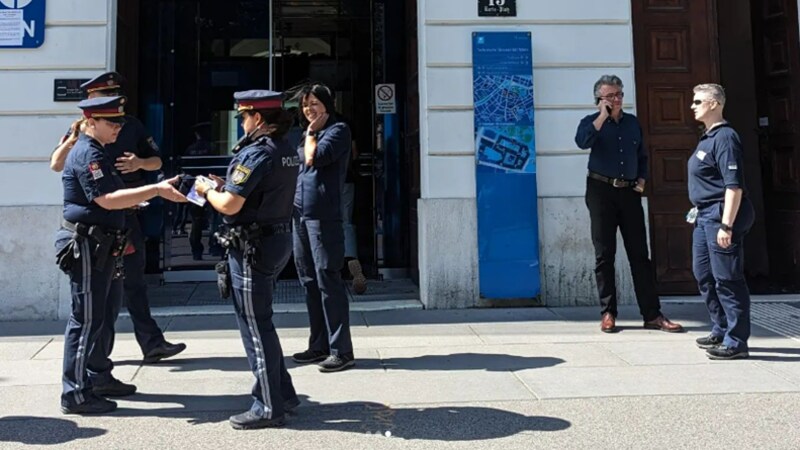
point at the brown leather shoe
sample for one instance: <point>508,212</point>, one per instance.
<point>663,324</point>
<point>608,324</point>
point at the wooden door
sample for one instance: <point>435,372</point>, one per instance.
<point>777,50</point>
<point>674,50</point>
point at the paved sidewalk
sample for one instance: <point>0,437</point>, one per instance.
<point>499,378</point>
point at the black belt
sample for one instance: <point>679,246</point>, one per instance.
<point>616,182</point>
<point>84,229</point>
<point>264,230</point>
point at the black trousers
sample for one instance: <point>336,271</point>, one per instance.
<point>611,208</point>
<point>147,332</point>
<point>319,257</point>
<point>253,280</point>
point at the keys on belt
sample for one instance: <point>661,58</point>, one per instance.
<point>616,182</point>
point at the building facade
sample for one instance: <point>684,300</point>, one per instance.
<point>660,49</point>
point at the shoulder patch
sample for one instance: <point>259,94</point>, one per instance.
<point>94,169</point>
<point>240,174</point>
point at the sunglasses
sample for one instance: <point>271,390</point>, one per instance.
<point>700,102</point>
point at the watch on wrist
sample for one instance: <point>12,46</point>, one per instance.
<point>312,133</point>
<point>725,227</point>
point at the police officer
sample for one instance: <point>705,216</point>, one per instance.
<point>318,232</point>
<point>722,216</point>
<point>134,153</point>
<point>256,201</point>
<point>89,247</point>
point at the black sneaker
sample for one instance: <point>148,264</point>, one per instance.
<point>337,363</point>
<point>723,352</point>
<point>164,350</point>
<point>309,356</point>
<point>115,388</point>
<point>290,405</point>
<point>249,421</point>
<point>92,405</point>
<point>709,341</point>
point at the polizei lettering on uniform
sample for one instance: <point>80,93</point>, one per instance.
<point>290,161</point>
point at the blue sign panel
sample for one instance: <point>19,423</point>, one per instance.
<point>505,157</point>
<point>21,23</point>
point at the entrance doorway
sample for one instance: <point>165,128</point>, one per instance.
<point>192,55</point>
<point>751,48</point>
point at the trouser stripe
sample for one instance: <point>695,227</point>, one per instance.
<point>83,347</point>
<point>258,344</point>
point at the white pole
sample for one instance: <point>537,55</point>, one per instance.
<point>271,56</point>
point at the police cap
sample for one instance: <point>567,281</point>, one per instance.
<point>258,99</point>
<point>109,81</point>
<point>108,108</point>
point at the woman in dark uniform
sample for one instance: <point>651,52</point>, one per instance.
<point>256,202</point>
<point>722,215</point>
<point>91,242</point>
<point>318,232</point>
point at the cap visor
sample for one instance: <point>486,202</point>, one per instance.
<point>120,120</point>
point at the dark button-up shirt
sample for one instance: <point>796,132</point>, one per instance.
<point>265,174</point>
<point>617,150</point>
<point>716,164</point>
<point>88,173</point>
<point>319,187</point>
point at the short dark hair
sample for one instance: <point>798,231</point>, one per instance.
<point>319,90</point>
<point>278,121</point>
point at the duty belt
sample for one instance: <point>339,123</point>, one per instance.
<point>616,182</point>
<point>237,235</point>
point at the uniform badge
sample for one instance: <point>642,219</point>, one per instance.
<point>94,169</point>
<point>152,143</point>
<point>701,155</point>
<point>240,174</point>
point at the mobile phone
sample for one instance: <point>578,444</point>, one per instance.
<point>597,102</point>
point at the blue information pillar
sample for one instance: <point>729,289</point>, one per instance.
<point>505,165</point>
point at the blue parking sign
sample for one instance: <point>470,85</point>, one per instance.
<point>22,23</point>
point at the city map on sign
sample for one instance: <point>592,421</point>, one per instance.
<point>504,108</point>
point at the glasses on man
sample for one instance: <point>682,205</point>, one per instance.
<point>700,102</point>
<point>611,97</point>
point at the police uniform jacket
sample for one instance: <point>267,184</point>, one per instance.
<point>88,173</point>
<point>319,187</point>
<point>265,174</point>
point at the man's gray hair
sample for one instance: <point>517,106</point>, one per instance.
<point>715,91</point>
<point>607,80</point>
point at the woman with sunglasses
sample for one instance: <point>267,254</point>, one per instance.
<point>722,216</point>
<point>90,245</point>
<point>255,200</point>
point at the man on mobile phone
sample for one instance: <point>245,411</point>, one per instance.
<point>614,186</point>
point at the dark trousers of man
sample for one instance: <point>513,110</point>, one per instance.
<point>252,281</point>
<point>720,274</point>
<point>611,208</point>
<point>319,257</point>
<point>145,328</point>
<point>90,288</point>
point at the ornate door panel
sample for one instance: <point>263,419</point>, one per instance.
<point>777,48</point>
<point>674,49</point>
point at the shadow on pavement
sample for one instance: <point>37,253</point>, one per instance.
<point>43,431</point>
<point>439,423</point>
<point>457,361</point>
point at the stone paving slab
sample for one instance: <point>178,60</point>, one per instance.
<point>22,350</point>
<point>723,377</point>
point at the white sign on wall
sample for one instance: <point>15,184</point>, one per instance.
<point>385,99</point>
